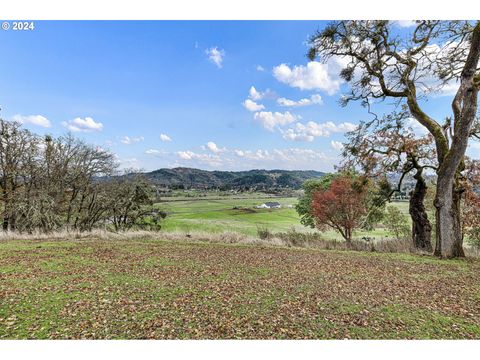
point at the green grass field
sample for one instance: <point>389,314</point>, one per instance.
<point>138,289</point>
<point>217,215</point>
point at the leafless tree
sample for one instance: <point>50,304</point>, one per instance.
<point>48,184</point>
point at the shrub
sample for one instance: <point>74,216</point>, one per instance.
<point>396,222</point>
<point>263,232</point>
<point>295,238</point>
<point>473,238</point>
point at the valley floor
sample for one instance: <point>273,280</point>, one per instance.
<point>121,289</point>
<point>230,213</point>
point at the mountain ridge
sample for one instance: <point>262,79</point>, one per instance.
<point>192,178</point>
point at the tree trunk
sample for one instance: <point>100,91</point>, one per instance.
<point>449,240</point>
<point>348,238</point>
<point>421,227</point>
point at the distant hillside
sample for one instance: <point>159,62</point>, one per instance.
<point>253,179</point>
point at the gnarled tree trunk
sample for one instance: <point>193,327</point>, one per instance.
<point>421,227</point>
<point>449,242</point>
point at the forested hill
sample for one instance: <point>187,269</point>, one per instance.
<point>253,179</point>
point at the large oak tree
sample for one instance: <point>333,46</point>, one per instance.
<point>381,64</point>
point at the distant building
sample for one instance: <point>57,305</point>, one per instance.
<point>269,205</point>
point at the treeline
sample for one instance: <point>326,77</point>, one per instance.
<point>181,178</point>
<point>49,184</point>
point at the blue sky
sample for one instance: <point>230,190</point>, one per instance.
<point>179,93</point>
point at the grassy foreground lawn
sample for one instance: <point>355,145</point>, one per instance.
<point>154,289</point>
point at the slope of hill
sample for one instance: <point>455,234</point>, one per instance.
<point>257,179</point>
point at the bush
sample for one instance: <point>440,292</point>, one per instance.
<point>396,222</point>
<point>295,238</point>
<point>263,232</point>
<point>473,238</point>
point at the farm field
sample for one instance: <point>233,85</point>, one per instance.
<point>240,215</point>
<point>119,289</point>
<point>230,214</point>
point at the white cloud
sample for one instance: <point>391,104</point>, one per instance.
<point>164,137</point>
<point>127,140</point>
<point>260,68</point>
<point>290,158</point>
<point>404,23</point>
<point>216,56</point>
<point>214,148</point>
<point>270,120</point>
<point>337,145</point>
<point>185,155</point>
<point>156,152</point>
<point>38,120</point>
<point>254,94</point>
<point>311,130</point>
<point>313,76</point>
<point>128,163</point>
<point>206,159</point>
<point>314,99</point>
<point>83,125</point>
<point>416,128</point>
<point>427,81</point>
<point>251,105</point>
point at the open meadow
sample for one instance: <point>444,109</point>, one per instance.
<point>238,214</point>
<point>137,289</point>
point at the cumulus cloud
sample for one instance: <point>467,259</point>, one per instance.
<point>313,76</point>
<point>127,140</point>
<point>185,155</point>
<point>214,148</point>
<point>311,130</point>
<point>254,94</point>
<point>284,158</point>
<point>314,99</point>
<point>337,145</point>
<point>216,55</point>
<point>260,68</point>
<point>270,120</point>
<point>83,125</point>
<point>164,137</point>
<point>206,159</point>
<point>235,159</point>
<point>251,105</point>
<point>38,120</point>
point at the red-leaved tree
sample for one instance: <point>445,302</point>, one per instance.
<point>341,206</point>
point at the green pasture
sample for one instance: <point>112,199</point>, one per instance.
<point>236,214</point>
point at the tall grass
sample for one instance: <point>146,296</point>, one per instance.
<point>265,237</point>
